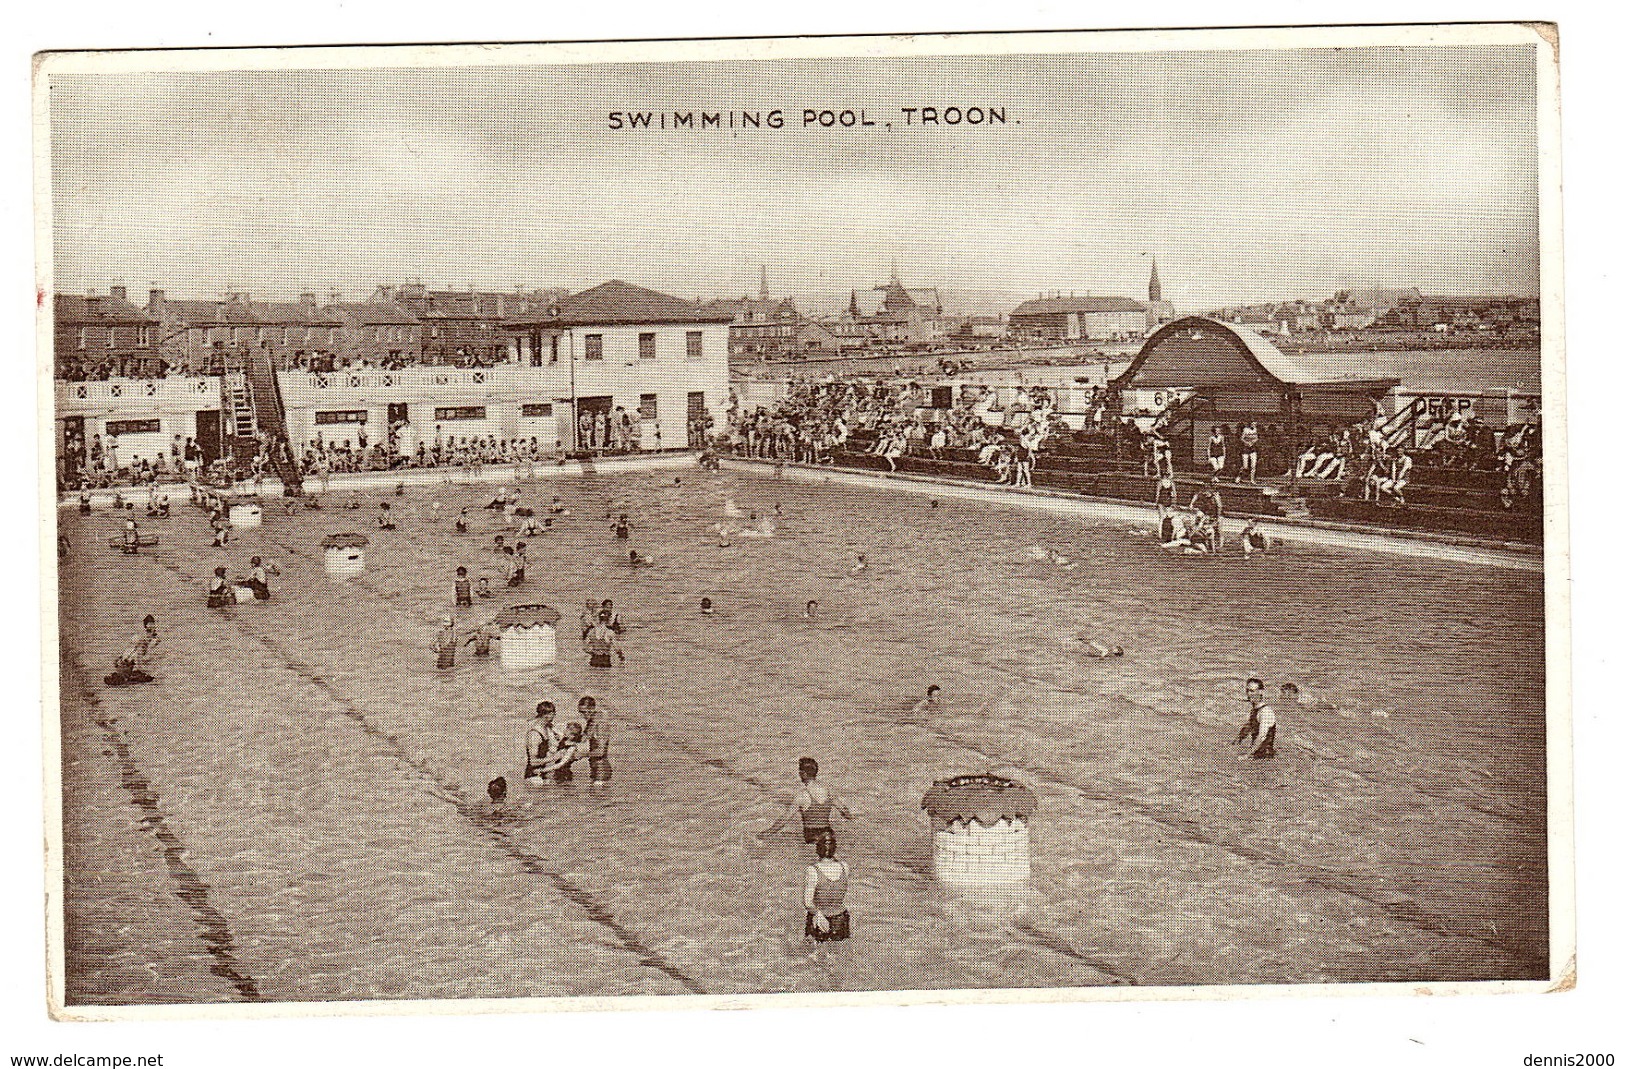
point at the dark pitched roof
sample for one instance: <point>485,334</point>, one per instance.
<point>370,313</point>
<point>71,308</point>
<point>1069,305</point>
<point>621,302</point>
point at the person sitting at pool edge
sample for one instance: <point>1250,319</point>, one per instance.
<point>813,803</point>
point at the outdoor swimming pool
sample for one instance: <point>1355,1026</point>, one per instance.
<point>295,810</point>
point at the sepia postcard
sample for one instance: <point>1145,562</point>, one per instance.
<point>713,523</point>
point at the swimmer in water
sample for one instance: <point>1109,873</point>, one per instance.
<point>445,644</point>
<point>811,611</point>
<point>706,608</point>
<point>571,748</point>
<point>84,502</point>
<point>220,594</point>
<point>497,790</point>
<point>596,731</point>
<point>480,639</point>
<point>483,590</point>
<point>541,738</point>
<point>863,563</point>
<point>622,527</point>
<point>636,560</point>
<point>1100,650</point>
<point>602,641</point>
<point>499,545</point>
<point>557,507</point>
<point>400,489</point>
<point>931,702</point>
<point>386,522</point>
<point>461,590</point>
<point>257,580</point>
<point>723,539</point>
<point>814,803</point>
<point>127,668</point>
<point>462,521</point>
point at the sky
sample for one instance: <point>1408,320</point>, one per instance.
<point>1248,175</point>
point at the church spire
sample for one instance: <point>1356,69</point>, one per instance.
<point>852,306</point>
<point>763,293</point>
<point>1154,290</point>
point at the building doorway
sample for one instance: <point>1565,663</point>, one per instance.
<point>696,419</point>
<point>592,416</point>
<point>208,434</point>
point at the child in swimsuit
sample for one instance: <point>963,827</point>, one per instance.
<point>461,592</point>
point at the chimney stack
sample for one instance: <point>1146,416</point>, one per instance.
<point>118,292</point>
<point>307,298</point>
<point>155,300</point>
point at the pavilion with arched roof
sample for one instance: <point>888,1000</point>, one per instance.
<point>1234,374</point>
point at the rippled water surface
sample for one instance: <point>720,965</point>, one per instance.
<point>296,809</point>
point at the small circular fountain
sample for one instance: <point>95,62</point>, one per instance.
<point>979,831</point>
<point>528,634</point>
<point>344,555</point>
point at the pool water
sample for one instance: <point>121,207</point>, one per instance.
<point>296,809</point>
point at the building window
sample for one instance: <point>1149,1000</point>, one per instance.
<point>595,347</point>
<point>356,416</point>
<point>143,336</point>
<point>646,346</point>
<point>118,427</point>
<point>284,335</point>
<point>536,410</point>
<point>465,412</point>
<point>649,406</point>
<point>553,358</point>
<point>112,336</point>
<point>696,344</point>
<point>84,336</point>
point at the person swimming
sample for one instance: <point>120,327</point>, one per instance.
<point>461,589</point>
<point>861,565</point>
<point>462,521</point>
<point>1099,649</point>
<point>706,608</point>
<point>386,522</point>
<point>497,790</point>
<point>84,502</point>
<point>622,527</point>
<point>637,560</point>
<point>811,611</point>
<point>483,590</point>
<point>723,533</point>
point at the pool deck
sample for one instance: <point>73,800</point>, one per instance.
<point>1431,545</point>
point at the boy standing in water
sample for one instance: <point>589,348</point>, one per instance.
<point>462,591</point>
<point>813,803</point>
<point>540,739</point>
